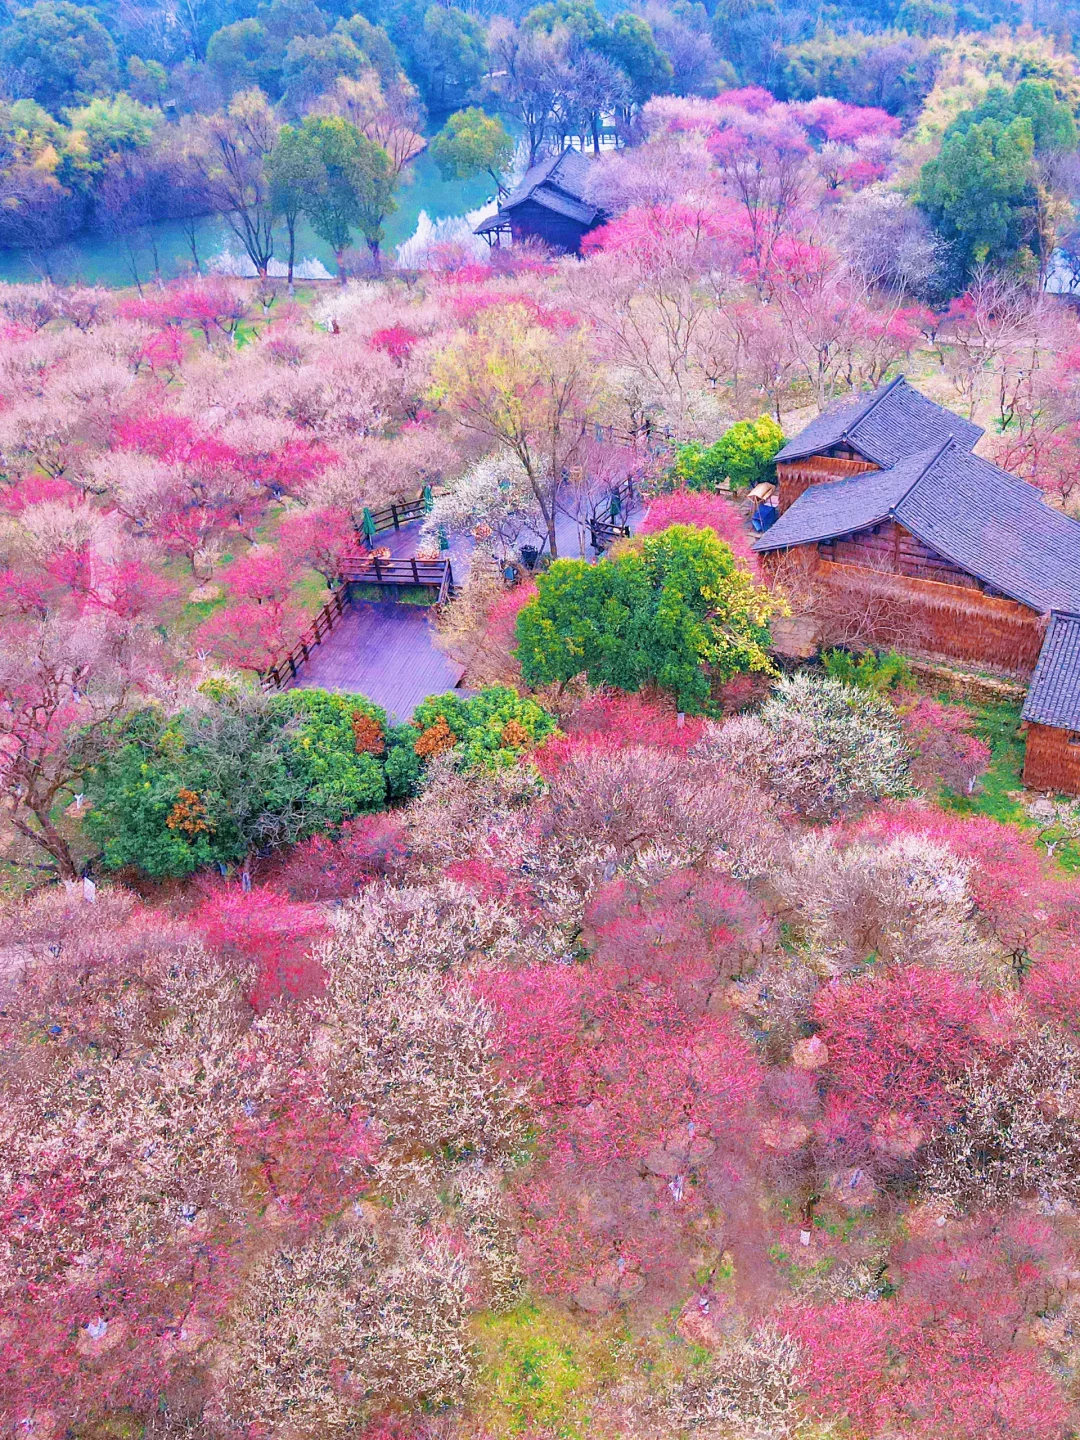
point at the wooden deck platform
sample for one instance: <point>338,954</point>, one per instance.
<point>386,652</point>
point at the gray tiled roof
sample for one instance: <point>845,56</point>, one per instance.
<point>557,183</point>
<point>988,522</point>
<point>999,528</point>
<point>1054,697</point>
<point>839,508</point>
<point>886,425</point>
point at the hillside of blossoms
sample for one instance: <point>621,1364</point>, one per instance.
<point>657,1035</point>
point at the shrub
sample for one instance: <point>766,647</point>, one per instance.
<point>895,1043</point>
<point>491,728</point>
<point>235,774</point>
<point>687,930</point>
<point>1028,911</point>
<point>674,610</point>
<point>263,928</point>
<point>706,511</point>
<point>641,1108</point>
<point>869,671</point>
<point>121,1189</point>
<point>821,747</point>
<point>1014,1135</point>
<point>905,900</point>
<point>744,455</point>
<point>891,1365</point>
<point>940,737</point>
<point>347,1323</point>
<point>335,868</point>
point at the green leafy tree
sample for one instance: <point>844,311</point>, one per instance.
<point>147,80</point>
<point>115,125</point>
<point>472,143</point>
<point>744,455</point>
<point>580,17</point>
<point>675,610</point>
<point>376,46</point>
<point>630,45</point>
<point>292,171</point>
<point>244,54</point>
<point>61,54</point>
<point>312,65</point>
<point>926,17</point>
<point>352,185</point>
<point>240,773</point>
<point>979,192</point>
<point>447,55</point>
<point>1053,129</point>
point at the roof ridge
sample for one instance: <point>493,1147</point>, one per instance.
<point>922,473</point>
<point>874,403</point>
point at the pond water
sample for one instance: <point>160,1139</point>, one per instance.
<point>424,199</point>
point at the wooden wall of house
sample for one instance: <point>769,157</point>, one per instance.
<point>530,221</point>
<point>889,546</point>
<point>795,476</point>
<point>1052,759</point>
<point>860,604</point>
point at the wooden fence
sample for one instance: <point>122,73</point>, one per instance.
<point>285,667</point>
<point>373,570</point>
<point>392,517</point>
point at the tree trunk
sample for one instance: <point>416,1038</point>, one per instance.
<point>340,267</point>
<point>596,134</point>
<point>291,223</point>
<point>376,255</point>
<point>189,230</point>
<point>49,839</point>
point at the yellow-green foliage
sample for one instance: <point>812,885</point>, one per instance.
<point>972,63</point>
<point>539,1371</point>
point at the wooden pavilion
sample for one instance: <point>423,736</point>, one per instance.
<point>549,205</point>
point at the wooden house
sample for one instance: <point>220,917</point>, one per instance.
<point>1052,710</point>
<point>549,205</point>
<point>904,537</point>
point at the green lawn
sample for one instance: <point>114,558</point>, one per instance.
<point>999,725</point>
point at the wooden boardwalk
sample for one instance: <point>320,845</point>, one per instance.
<point>386,652</point>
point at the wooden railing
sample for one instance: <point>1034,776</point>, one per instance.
<point>604,534</point>
<point>392,517</point>
<point>602,528</point>
<point>286,666</point>
<point>373,570</point>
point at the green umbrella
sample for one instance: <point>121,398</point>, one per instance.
<point>367,525</point>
